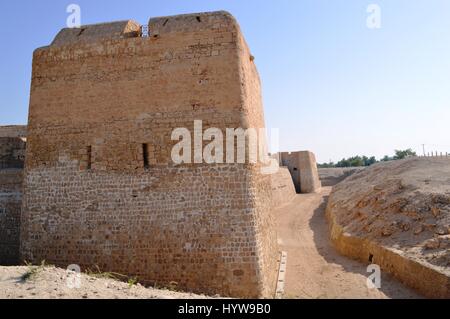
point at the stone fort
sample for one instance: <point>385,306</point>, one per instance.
<point>99,187</point>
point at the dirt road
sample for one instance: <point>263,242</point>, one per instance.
<point>315,270</point>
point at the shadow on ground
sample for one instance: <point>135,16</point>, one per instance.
<point>321,237</point>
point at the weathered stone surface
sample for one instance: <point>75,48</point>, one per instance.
<point>90,199</point>
<point>97,32</point>
<point>13,131</point>
<point>283,189</point>
<point>12,152</point>
<point>10,207</point>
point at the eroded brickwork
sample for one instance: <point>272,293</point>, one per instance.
<point>100,186</point>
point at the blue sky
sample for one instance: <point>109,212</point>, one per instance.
<point>331,84</point>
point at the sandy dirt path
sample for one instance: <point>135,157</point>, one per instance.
<point>315,269</point>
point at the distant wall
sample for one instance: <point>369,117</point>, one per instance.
<point>333,176</point>
<point>309,177</point>
<point>290,160</point>
<point>12,152</point>
<point>13,131</point>
<point>283,189</point>
<point>10,207</point>
<point>303,169</point>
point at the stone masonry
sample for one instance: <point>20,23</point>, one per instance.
<point>13,131</point>
<point>100,186</point>
<point>283,189</point>
<point>12,152</point>
<point>303,168</point>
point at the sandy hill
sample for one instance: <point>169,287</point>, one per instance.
<point>402,205</point>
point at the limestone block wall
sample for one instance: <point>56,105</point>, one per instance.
<point>100,185</point>
<point>303,168</point>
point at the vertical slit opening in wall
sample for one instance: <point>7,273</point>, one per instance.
<point>145,155</point>
<point>89,157</point>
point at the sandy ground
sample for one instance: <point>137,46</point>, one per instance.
<point>51,283</point>
<point>315,269</point>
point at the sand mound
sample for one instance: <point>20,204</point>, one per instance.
<point>55,283</point>
<point>403,205</point>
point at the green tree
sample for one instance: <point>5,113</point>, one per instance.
<point>369,161</point>
<point>402,154</point>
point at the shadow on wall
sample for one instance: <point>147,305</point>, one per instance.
<point>12,152</point>
<point>12,155</point>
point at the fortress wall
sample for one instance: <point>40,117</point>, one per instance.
<point>309,176</point>
<point>13,131</point>
<point>290,160</point>
<point>10,207</point>
<point>97,32</point>
<point>253,116</point>
<point>303,168</point>
<point>283,188</point>
<point>93,106</point>
<point>12,152</point>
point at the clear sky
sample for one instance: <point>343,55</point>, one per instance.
<point>331,84</point>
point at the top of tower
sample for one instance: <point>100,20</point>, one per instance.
<point>157,26</point>
<point>191,22</point>
<point>97,32</point>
